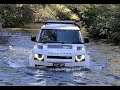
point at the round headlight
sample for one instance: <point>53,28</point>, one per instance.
<point>79,58</point>
<point>39,57</point>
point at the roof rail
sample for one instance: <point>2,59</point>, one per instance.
<point>61,22</point>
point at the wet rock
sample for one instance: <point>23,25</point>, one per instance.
<point>39,80</point>
<point>1,80</point>
<point>81,83</point>
<point>29,73</point>
<point>86,69</point>
<point>62,84</point>
<point>3,48</point>
<point>116,77</point>
<point>8,83</point>
<point>3,40</point>
<point>109,75</point>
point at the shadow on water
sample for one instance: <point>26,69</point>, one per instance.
<point>17,38</point>
<point>4,40</point>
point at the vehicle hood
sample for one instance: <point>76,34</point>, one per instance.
<point>61,49</point>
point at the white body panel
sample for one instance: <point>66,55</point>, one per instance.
<point>59,51</point>
<point>60,26</point>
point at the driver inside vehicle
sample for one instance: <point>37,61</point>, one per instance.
<point>48,36</point>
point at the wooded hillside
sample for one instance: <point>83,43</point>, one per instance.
<point>100,20</point>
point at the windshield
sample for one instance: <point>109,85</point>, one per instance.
<point>60,36</point>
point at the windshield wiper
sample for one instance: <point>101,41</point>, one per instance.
<point>63,42</point>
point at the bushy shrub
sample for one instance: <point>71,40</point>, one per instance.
<point>62,16</point>
<point>15,15</point>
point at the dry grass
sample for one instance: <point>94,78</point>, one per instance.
<point>114,64</point>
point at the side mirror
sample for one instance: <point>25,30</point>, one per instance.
<point>33,38</point>
<point>86,40</point>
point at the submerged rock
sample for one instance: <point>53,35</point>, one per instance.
<point>3,48</point>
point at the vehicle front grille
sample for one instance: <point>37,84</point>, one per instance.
<point>59,57</point>
<point>60,46</point>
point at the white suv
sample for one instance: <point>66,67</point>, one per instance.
<point>59,43</point>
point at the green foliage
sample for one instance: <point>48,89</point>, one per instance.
<point>27,14</point>
<point>15,15</point>
<point>62,16</point>
<point>101,20</point>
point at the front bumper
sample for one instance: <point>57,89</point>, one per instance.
<point>67,62</point>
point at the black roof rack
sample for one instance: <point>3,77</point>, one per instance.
<point>61,22</point>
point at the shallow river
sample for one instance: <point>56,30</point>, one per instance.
<point>15,47</point>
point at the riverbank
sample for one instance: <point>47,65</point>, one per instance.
<point>18,29</point>
<point>32,26</point>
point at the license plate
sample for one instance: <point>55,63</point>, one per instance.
<point>59,64</point>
